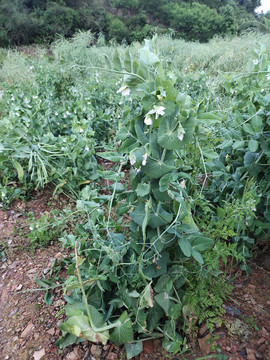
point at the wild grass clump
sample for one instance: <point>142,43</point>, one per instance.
<point>220,54</point>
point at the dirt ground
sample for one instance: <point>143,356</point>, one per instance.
<point>29,327</point>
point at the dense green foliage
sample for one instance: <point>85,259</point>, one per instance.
<point>189,124</point>
<point>24,22</point>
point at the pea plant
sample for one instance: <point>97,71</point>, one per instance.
<point>244,153</point>
<point>128,286</point>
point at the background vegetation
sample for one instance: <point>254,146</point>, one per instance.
<point>23,22</point>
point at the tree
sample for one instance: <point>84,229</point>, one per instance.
<point>249,5</point>
<point>117,29</point>
<point>193,21</point>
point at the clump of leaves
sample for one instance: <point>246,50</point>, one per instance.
<point>47,229</point>
<point>244,158</point>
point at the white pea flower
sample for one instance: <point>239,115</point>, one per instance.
<point>124,90</point>
<point>132,159</point>
<point>255,61</point>
<point>268,77</point>
<point>158,111</point>
<point>81,130</point>
<point>148,120</point>
<point>181,134</point>
<point>56,114</point>
<point>144,159</point>
<point>87,148</point>
<point>183,184</point>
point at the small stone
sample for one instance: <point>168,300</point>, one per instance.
<point>27,330</point>
<point>242,352</point>
<point>96,351</point>
<point>19,287</point>
<point>262,348</point>
<point>266,263</point>
<point>39,354</point>
<point>51,331</point>
<point>232,310</point>
<point>111,356</point>
<point>203,329</point>
<point>143,356</point>
<point>251,354</point>
<point>106,347</point>
<point>32,271</point>
<point>259,355</point>
<point>10,315</point>
<point>148,347</point>
<point>238,286</point>
<point>261,341</point>
<point>205,344</point>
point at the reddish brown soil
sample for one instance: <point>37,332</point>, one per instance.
<point>29,328</point>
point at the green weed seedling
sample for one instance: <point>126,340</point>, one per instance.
<point>46,230</point>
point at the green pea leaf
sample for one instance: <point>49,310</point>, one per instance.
<point>197,256</point>
<point>134,349</point>
<point>168,134</point>
<point>208,118</point>
<point>239,144</point>
<point>253,145</point>
<point>163,301</point>
<point>124,333</point>
<point>116,61</point>
<point>19,169</point>
<point>112,156</point>
<point>209,153</point>
<point>143,189</point>
<point>185,246</point>
<point>156,168</point>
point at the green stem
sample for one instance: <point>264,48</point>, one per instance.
<point>110,70</point>
<point>204,167</point>
<point>82,289</point>
<point>163,155</point>
<point>113,195</point>
<point>108,327</point>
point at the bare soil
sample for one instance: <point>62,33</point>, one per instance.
<point>29,327</point>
